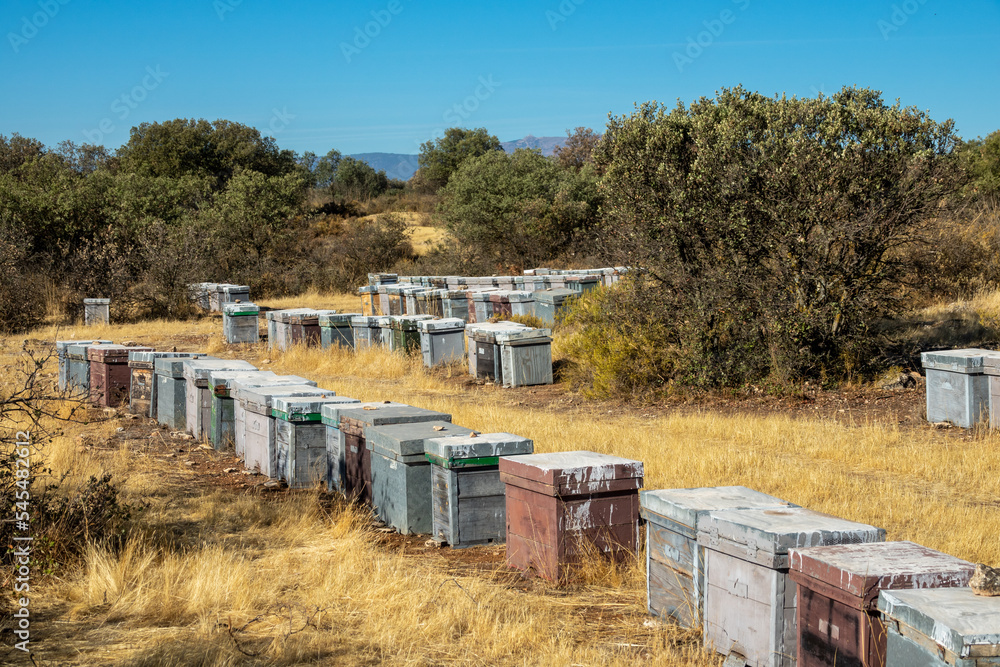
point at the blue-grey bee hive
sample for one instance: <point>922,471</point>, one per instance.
<point>958,390</point>
<point>401,474</point>
<point>240,323</point>
<point>300,438</point>
<point>96,311</point>
<point>467,496</point>
<point>171,390</point>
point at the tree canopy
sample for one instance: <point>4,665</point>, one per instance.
<point>520,208</point>
<point>769,228</point>
<point>439,158</point>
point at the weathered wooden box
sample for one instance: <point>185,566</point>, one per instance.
<point>549,303</point>
<point>468,504</point>
<point>383,337</point>
<point>675,562</point>
<point>367,332</point>
<point>200,294</point>
<point>336,329</point>
<point>96,311</point>
<point>409,295</point>
<point>303,327</point>
<point>240,323</point>
<point>369,300</point>
<point>198,401</point>
<point>838,587</point>
<point>224,386</point>
<point>62,354</point>
<point>749,598</point>
<point>500,304</point>
<point>401,474</point>
<point>405,334</point>
<point>110,375</point>
<point>525,357</point>
<point>958,391</point>
<point>441,341</point>
<point>522,303</point>
<point>336,460</point>
<point>78,369</point>
<point>233,294</point>
<point>300,438</point>
<point>482,305</point>
<point>991,368</point>
<point>485,361</point>
<point>222,416</point>
<point>294,325</point>
<point>941,627</point>
<point>393,304</point>
<point>142,383</point>
<point>353,458</point>
<point>455,303</point>
<point>259,449</point>
<point>581,284</point>
<point>171,390</point>
<point>564,504</point>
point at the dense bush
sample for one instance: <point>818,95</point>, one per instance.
<point>768,230</point>
<point>518,210</point>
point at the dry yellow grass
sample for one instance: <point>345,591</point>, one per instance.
<point>201,560</point>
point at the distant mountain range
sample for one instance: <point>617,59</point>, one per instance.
<point>404,165</point>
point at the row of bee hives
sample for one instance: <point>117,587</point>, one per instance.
<point>765,582</point>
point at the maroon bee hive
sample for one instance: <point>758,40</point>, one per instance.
<point>110,375</point>
<point>838,587</point>
<point>563,504</point>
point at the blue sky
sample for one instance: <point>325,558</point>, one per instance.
<point>389,74</point>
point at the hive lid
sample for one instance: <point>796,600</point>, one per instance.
<point>520,296</point>
<point>554,295</point>
<point>236,309</point>
<point>579,472</point>
<point>362,321</point>
<point>96,302</point>
<point>368,289</point>
<point>199,370</point>
<point>150,356</point>
<point>306,316</point>
<point>861,570</point>
<point>764,536</point>
<point>407,439</point>
<point>262,398</point>
<point>64,345</point>
<point>223,380</point>
<point>174,366</point>
<point>381,415</point>
<point>408,322</point>
<point>969,360</point>
<point>331,412</point>
<point>522,334</point>
<point>686,506</point>
<point>229,289</point>
<point>482,446</point>
<point>306,408</point>
<point>330,319</point>
<point>285,316</point>
<point>118,353</point>
<point>954,618</point>
<point>253,380</point>
<point>443,324</point>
